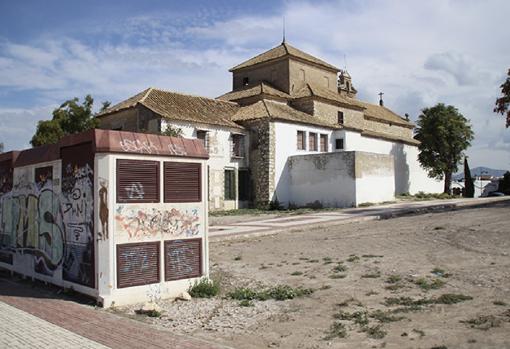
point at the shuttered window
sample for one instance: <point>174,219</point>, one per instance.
<point>182,181</point>
<point>324,142</point>
<point>301,140</point>
<point>230,185</point>
<point>137,264</point>
<point>137,181</point>
<point>312,141</point>
<point>183,259</point>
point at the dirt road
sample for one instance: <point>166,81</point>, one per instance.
<point>377,284</point>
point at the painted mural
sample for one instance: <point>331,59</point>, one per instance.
<point>46,223</point>
<point>138,222</point>
<point>78,214</point>
<point>31,222</point>
<point>103,209</point>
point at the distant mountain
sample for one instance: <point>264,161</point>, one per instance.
<point>481,171</point>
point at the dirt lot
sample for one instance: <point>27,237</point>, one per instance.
<point>355,270</point>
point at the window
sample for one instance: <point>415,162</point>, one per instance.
<point>339,144</point>
<point>137,181</point>
<point>183,259</point>
<point>230,185</point>
<point>203,136</point>
<point>324,143</point>
<point>312,141</point>
<point>237,146</point>
<point>182,182</point>
<point>340,117</point>
<point>243,185</point>
<point>301,140</point>
<point>302,74</point>
<point>246,81</point>
<point>326,81</point>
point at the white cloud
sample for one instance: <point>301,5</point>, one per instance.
<point>418,53</point>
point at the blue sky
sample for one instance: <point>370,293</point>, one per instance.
<point>418,53</point>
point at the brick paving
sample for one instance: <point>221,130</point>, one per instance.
<point>62,317</point>
<point>22,330</point>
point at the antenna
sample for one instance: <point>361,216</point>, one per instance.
<point>345,62</point>
<point>283,27</point>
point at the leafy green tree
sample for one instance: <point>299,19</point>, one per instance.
<point>172,131</point>
<point>469,186</point>
<point>504,183</point>
<point>444,134</point>
<point>503,102</point>
<point>71,117</point>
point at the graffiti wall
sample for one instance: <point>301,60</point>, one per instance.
<point>145,221</point>
<point>31,224</point>
<point>78,214</point>
<point>46,222</point>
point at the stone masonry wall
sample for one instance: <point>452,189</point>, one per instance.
<point>262,160</point>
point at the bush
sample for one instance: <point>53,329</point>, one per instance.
<point>204,288</point>
<point>279,293</point>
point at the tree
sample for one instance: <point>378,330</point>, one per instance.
<point>444,134</point>
<point>504,183</point>
<point>71,117</point>
<point>503,102</point>
<point>1,147</point>
<point>469,186</point>
<point>172,131</point>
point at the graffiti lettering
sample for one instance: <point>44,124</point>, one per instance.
<point>138,146</point>
<point>138,222</point>
<point>176,149</point>
<point>31,224</point>
<point>135,191</point>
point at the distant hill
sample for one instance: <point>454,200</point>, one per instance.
<point>479,171</point>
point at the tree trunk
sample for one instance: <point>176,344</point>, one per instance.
<point>447,182</point>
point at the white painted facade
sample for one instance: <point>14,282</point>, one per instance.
<point>340,179</point>
<point>408,175</point>
<point>219,145</point>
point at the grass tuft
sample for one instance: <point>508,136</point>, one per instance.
<point>204,288</point>
<point>336,330</point>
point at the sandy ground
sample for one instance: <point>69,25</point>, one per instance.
<point>470,246</point>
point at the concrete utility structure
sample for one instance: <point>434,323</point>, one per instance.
<point>284,104</point>
<point>119,216</point>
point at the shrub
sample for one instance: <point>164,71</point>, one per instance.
<point>204,288</point>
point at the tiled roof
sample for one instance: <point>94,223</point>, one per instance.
<point>178,106</point>
<point>267,109</point>
<point>312,90</point>
<point>279,51</point>
<point>384,114</point>
<point>390,137</point>
<point>250,91</point>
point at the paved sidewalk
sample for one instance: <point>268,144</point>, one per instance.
<point>22,330</point>
<point>41,318</point>
<point>267,226</point>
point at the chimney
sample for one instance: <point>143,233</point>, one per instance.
<point>381,103</point>
<point>407,116</point>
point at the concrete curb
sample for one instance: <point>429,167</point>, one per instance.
<point>399,212</point>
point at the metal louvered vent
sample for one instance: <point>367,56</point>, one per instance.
<point>183,259</point>
<point>137,181</point>
<point>182,182</point>
<point>137,264</point>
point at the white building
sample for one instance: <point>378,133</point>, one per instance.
<point>291,129</point>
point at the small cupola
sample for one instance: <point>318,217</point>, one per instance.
<point>345,84</point>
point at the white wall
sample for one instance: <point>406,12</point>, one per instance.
<point>328,178</point>
<point>340,179</point>
<point>285,146</point>
<point>409,175</point>
<point>120,233</point>
<point>219,145</point>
